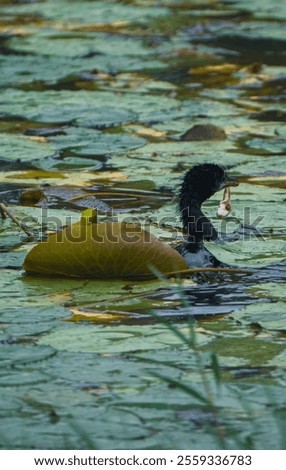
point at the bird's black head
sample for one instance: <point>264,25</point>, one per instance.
<point>202,181</point>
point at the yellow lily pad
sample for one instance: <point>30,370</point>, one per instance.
<point>104,250</point>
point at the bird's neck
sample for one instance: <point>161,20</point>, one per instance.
<point>196,224</point>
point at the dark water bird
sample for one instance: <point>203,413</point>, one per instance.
<point>199,184</point>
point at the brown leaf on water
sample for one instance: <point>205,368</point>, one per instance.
<point>96,316</point>
<point>204,132</point>
<point>37,138</point>
<point>104,250</point>
<point>112,27</point>
<point>30,175</point>
<point>31,196</point>
<point>84,178</point>
<point>226,69</point>
<point>221,69</point>
<point>270,181</point>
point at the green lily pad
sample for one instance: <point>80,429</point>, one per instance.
<point>268,316</point>
<point>19,147</point>
<point>109,340</point>
<point>252,253</point>
<point>83,142</point>
<point>269,290</point>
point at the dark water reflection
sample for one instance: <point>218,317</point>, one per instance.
<point>214,295</point>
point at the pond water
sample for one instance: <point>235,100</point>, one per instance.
<point>95,98</point>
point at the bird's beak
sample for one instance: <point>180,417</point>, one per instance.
<point>229,181</point>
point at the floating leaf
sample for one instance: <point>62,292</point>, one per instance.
<point>36,174</point>
<point>99,317</point>
<point>31,196</point>
<point>99,118</point>
<point>105,250</point>
<point>249,253</point>
<point>204,132</point>
<point>269,290</point>
<point>109,340</point>
<point>268,317</point>
<point>71,177</point>
<point>272,181</point>
<point>15,147</point>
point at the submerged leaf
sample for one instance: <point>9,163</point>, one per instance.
<point>105,250</point>
<point>31,196</point>
<point>204,132</point>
